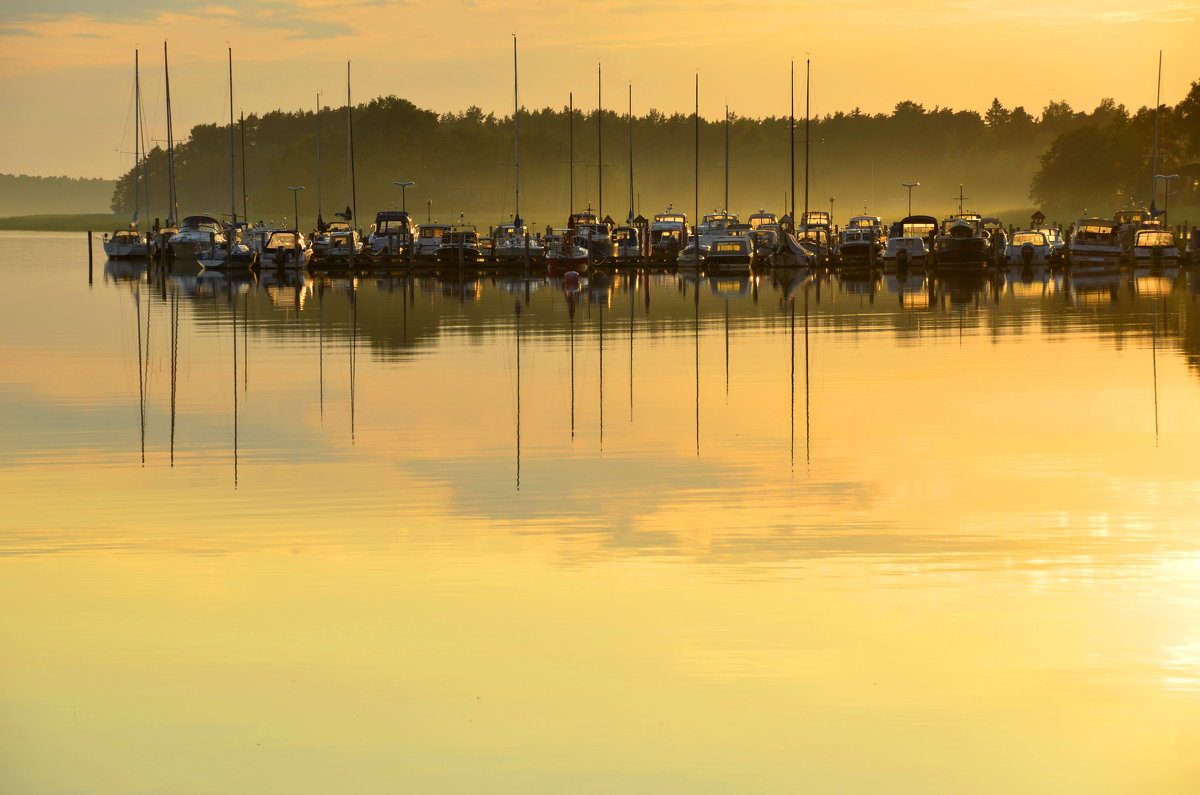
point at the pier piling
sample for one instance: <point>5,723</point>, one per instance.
<point>90,256</point>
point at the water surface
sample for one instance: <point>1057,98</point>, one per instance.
<point>471,532</point>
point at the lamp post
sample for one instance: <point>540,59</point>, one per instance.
<point>403,191</point>
<point>296,204</point>
<point>429,211</point>
<point>910,186</point>
<point>1166,191</point>
<point>832,199</point>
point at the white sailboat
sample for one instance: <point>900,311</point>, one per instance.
<point>512,243</point>
<point>229,253</point>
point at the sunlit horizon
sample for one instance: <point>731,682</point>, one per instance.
<point>70,68</point>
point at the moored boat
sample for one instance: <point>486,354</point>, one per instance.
<point>1095,244</point>
<point>962,243</point>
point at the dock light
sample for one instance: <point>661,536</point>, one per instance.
<point>403,192</point>
<point>910,186</point>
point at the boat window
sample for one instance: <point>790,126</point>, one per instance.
<point>1035,238</point>
<point>1154,238</point>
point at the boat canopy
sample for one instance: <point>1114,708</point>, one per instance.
<point>914,225</point>
<point>865,220</point>
<point>1095,226</point>
<point>199,222</point>
<point>670,218</point>
<point>289,238</point>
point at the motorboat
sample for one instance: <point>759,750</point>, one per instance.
<point>693,255</point>
<point>512,245</point>
<point>1129,220</point>
<point>713,225</point>
<point>391,235</point>
<point>1095,243</point>
<point>460,246</point>
<point>227,253</point>
<point>1054,237</point>
<point>591,234</point>
<point>861,243</point>
<point>962,243</point>
<point>563,254</point>
<point>1028,247</point>
<point>343,247</point>
<point>127,244</point>
<point>321,241</point>
<point>286,248</point>
<point>627,243</point>
<point>196,232</point>
<point>668,234</point>
<point>765,240</point>
<point>730,254</point>
<point>429,239</point>
<point>905,251</point>
<point>1154,247</point>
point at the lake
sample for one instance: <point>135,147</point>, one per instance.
<point>469,532</point>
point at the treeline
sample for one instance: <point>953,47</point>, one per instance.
<point>25,195</point>
<point>1007,160</point>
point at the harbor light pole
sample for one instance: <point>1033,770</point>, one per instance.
<point>403,194</point>
<point>1166,191</point>
<point>296,204</point>
<point>429,211</point>
<point>910,186</point>
<point>832,199</point>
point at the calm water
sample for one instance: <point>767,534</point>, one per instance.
<point>663,535</point>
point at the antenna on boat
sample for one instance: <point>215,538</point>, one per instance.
<point>960,198</point>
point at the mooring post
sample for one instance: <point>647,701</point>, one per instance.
<point>90,256</point>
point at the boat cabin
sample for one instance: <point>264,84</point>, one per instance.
<point>858,221</point>
<point>915,226</point>
<point>391,222</point>
<point>1149,238</point>
<point>1096,230</point>
<point>815,218</point>
<point>762,217</point>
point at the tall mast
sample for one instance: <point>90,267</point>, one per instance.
<point>726,207</point>
<point>319,224</point>
<point>172,199</point>
<point>137,136</point>
<point>571,156</point>
<point>516,138</point>
<point>629,219</point>
<point>350,149</point>
<point>807,122</point>
<point>600,145</point>
<point>242,136</point>
<point>792,145</point>
<point>232,151</point>
<point>1154,161</point>
<point>695,235</point>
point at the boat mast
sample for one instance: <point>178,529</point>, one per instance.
<point>137,135</point>
<point>600,146</point>
<point>807,123</point>
<point>319,223</point>
<point>232,150</point>
<point>726,207</point>
<point>571,156</point>
<point>696,234</point>
<point>629,219</point>
<point>1154,160</point>
<point>792,146</point>
<point>171,196</point>
<point>242,136</point>
<point>232,169</point>
<point>516,140</point>
<point>350,149</point>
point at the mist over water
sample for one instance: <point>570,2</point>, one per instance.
<point>473,531</point>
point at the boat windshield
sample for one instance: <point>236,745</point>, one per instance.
<point>284,240</point>
<point>1154,237</point>
<point>432,231</point>
<point>671,218</point>
<point>730,247</point>
<point>1033,238</point>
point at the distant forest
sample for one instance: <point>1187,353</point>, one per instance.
<point>1008,161</point>
<point>24,195</point>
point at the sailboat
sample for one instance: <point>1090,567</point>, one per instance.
<point>227,253</point>
<point>512,242</point>
<point>792,253</point>
<point>131,243</point>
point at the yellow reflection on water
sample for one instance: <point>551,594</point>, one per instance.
<point>765,537</point>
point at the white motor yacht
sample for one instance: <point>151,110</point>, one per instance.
<point>126,244</point>
<point>286,248</point>
<point>1095,243</point>
<point>429,238</point>
<point>668,234</point>
<point>391,235</point>
<point>909,250</point>
<point>1029,247</point>
<point>1154,247</point>
<point>196,232</point>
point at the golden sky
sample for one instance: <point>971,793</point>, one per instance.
<point>65,65</point>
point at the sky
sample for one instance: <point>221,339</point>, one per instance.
<point>66,66</point>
